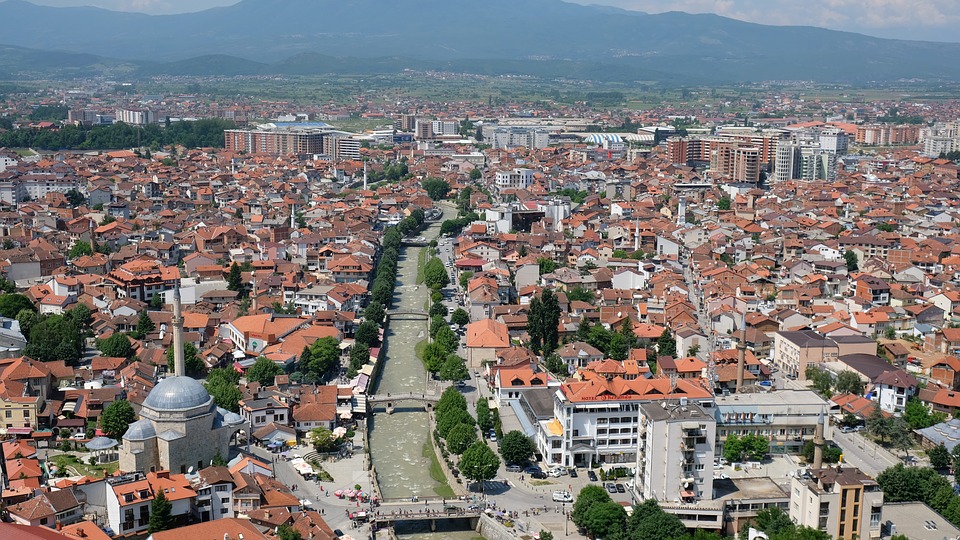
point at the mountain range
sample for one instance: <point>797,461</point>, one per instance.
<point>548,38</point>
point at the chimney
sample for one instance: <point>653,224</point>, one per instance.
<point>59,525</point>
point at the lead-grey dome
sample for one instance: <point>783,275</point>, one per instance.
<point>140,430</point>
<point>177,393</point>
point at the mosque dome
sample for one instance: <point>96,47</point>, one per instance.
<point>140,430</point>
<point>175,394</point>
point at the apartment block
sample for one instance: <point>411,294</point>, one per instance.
<point>841,501</point>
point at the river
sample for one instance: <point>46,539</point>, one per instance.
<point>399,443</point>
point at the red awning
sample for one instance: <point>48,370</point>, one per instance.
<point>687,494</point>
<point>20,431</point>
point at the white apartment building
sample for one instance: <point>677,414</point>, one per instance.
<point>597,419</point>
<point>515,179</point>
<point>675,452</point>
<point>788,418</point>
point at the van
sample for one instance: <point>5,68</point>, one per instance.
<point>514,468</point>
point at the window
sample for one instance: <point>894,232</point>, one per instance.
<point>9,413</point>
<point>875,518</point>
<point>221,488</point>
<point>224,511</point>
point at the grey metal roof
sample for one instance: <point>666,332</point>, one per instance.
<point>140,430</point>
<point>101,443</point>
<point>177,393</point>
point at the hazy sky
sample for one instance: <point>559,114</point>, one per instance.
<point>935,20</point>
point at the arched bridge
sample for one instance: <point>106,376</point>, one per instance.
<point>390,400</point>
<point>408,315</point>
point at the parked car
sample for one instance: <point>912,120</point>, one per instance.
<point>592,476</point>
<point>557,472</point>
<point>573,473</point>
<point>338,533</point>
<point>493,436</point>
<point>562,496</point>
<point>620,488</point>
<point>539,475</point>
<point>611,488</point>
<point>514,468</point>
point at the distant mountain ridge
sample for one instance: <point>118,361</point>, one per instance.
<point>533,36</point>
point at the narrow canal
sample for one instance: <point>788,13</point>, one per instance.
<point>400,448</point>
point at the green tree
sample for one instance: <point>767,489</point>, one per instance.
<point>650,521</point>
<point>853,263</point>
<point>581,294</point>
<point>434,355</point>
<point>461,437</point>
<point>918,416</point>
<point>476,174</point>
<point>460,317</point>
<point>447,339</point>
<point>367,333</point>
<point>666,344</point>
<point>479,463</point>
<point>145,325</point>
<point>773,520</point>
<point>723,203</point>
<point>606,518</point>
<point>878,425</point>
<point>56,337</point>
<point>235,279</point>
<point>225,394</point>
<point>359,356</point>
<point>263,371</point>
<point>437,309</point>
<point>484,418</point>
<point>374,312</point>
<point>906,484</point>
<point>465,278</point>
<point>324,356</point>
<point>831,452</point>
<point>191,359</point>
<point>515,447</point>
<point>79,249</point>
<point>939,457</point>
<point>848,382</point>
<point>750,446</point>
<point>619,347</point>
<point>12,304</point>
<point>556,365</point>
<point>547,265</point>
<point>588,498</point>
<point>450,400</point>
<point>160,508</point>
<point>117,346</point>
<point>116,418</point>
<point>450,420</point>
<point>454,368</point>
<point>436,188</point>
<point>323,440</point>
<point>286,532</point>
<point>823,381</point>
<point>434,274</point>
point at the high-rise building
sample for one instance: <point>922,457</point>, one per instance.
<point>339,146</point>
<point>675,452</point>
<point>270,139</point>
<point>841,501</point>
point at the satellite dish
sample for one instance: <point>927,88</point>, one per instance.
<point>190,470</point>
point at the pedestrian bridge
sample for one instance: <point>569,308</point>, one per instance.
<point>408,315</point>
<point>386,516</point>
<point>390,400</point>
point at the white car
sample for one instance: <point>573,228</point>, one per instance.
<point>557,472</point>
<point>562,496</point>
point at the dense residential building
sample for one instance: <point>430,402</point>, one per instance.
<point>841,501</point>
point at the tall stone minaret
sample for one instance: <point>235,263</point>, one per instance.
<point>179,366</point>
<point>818,442</point>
